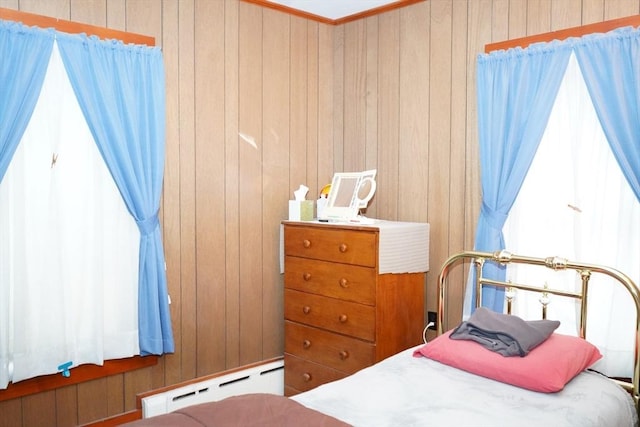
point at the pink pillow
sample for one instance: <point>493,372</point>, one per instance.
<point>547,368</point>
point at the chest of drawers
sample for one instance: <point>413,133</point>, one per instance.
<point>341,313</point>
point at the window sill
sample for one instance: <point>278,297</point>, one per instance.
<point>78,375</point>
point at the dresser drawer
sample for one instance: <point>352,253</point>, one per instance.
<point>348,318</point>
<point>336,351</point>
<point>304,375</point>
<point>347,282</point>
<point>336,245</point>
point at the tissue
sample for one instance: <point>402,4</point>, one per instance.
<point>299,208</point>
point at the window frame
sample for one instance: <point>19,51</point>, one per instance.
<point>110,367</point>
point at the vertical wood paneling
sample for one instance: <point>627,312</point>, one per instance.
<point>327,91</point>
<point>338,98</point>
<point>388,115</point>
<point>88,11</point>
<point>299,105</point>
<point>439,162</point>
<point>39,409</point>
<point>187,199</point>
<point>54,8</point>
<point>11,411</point>
<point>312,108</point>
<point>67,402</point>
<point>458,214</point>
<point>115,399</point>
<point>277,125</point>
<point>413,174</point>
<point>565,14</point>
<point>259,102</point>
<point>10,4</point>
<point>355,77</point>
<point>620,8</point>
<point>371,113</point>
<point>478,34</point>
<point>232,193</point>
<point>90,406</point>
<point>116,16</point>
<point>516,20</point>
<point>250,181</point>
<point>170,207</point>
<point>592,11</point>
<point>538,16</point>
<point>210,187</point>
<point>500,19</point>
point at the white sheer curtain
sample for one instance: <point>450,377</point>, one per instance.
<point>68,246</point>
<point>575,203</point>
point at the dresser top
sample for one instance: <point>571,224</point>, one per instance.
<point>403,247</point>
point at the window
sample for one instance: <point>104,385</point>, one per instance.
<point>69,277</point>
<point>576,203</point>
<point>120,92</point>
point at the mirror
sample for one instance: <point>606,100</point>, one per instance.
<point>350,192</point>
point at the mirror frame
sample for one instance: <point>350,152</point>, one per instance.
<point>335,211</point>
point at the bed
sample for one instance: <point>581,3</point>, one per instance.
<point>458,381</point>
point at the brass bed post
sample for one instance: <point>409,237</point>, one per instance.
<point>479,263</point>
<point>585,275</point>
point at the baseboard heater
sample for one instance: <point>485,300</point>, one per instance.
<point>267,377</point>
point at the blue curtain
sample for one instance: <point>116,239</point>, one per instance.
<point>516,92</point>
<point>121,91</point>
<point>610,64</point>
<point>25,54</point>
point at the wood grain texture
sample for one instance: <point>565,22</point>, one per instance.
<point>250,172</point>
<point>260,101</point>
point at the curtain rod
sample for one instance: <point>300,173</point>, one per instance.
<point>42,21</point>
<point>598,27</point>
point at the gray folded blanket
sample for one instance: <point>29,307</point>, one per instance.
<point>503,333</point>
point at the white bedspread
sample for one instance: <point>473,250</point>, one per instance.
<point>407,391</point>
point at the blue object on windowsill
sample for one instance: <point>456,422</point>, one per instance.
<point>65,369</point>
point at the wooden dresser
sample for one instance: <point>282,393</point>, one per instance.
<point>341,313</point>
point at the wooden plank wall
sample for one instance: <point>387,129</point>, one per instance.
<point>259,102</point>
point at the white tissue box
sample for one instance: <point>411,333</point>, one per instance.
<point>300,210</point>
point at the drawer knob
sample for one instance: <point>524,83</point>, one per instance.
<point>306,276</point>
<point>344,354</point>
<point>306,344</point>
<point>343,318</point>
<point>306,243</point>
<point>343,247</point>
<point>306,377</point>
<point>344,283</point>
<point>306,309</point>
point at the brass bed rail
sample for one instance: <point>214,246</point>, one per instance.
<point>478,260</point>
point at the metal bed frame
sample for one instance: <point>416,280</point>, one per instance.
<point>478,259</point>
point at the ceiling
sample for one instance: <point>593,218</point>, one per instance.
<point>334,11</point>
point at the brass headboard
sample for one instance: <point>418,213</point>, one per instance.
<point>478,259</point>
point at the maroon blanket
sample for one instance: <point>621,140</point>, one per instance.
<point>248,410</point>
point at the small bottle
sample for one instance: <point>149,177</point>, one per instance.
<point>321,203</point>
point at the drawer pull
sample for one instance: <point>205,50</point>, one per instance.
<point>306,276</point>
<point>343,247</point>
<point>306,309</point>
<point>343,318</point>
<point>306,377</point>
<point>344,354</point>
<point>306,243</point>
<point>344,283</point>
<point>306,344</point>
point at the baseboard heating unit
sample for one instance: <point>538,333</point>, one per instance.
<point>265,377</point>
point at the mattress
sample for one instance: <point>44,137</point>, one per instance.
<point>404,390</point>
